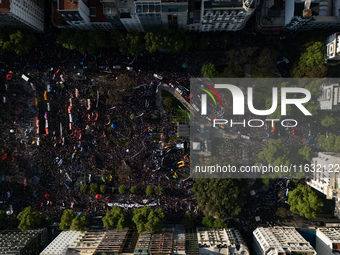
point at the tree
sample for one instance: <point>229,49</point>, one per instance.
<point>19,41</point>
<point>149,190</point>
<point>121,189</point>
<point>115,217</point>
<point>189,220</point>
<point>306,152</point>
<point>210,222</point>
<point>147,219</point>
<point>276,153</point>
<point>168,101</point>
<point>330,143</point>
<point>28,218</point>
<point>103,188</point>
<point>159,190</point>
<point>329,121</point>
<point>79,223</point>
<point>282,212</point>
<point>131,44</point>
<point>133,190</point>
<point>94,188</point>
<point>209,70</point>
<point>66,219</point>
<point>304,201</point>
<point>314,55</point>
<point>3,218</point>
<point>220,198</point>
<point>84,189</point>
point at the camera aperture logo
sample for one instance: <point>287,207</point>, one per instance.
<point>239,105</point>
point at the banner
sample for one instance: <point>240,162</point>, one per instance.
<point>130,205</point>
<point>45,95</point>
<point>25,182</point>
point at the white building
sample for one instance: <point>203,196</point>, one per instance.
<point>330,97</point>
<point>221,241</point>
<point>20,13</point>
<point>61,243</point>
<point>280,241</point>
<point>332,44</point>
<point>326,179</point>
<point>215,15</point>
<point>328,241</point>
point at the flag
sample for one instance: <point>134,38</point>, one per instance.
<point>25,182</point>
<point>46,131</point>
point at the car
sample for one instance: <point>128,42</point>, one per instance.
<point>208,118</point>
<point>129,68</point>
<point>179,91</point>
<point>157,76</point>
<point>195,107</point>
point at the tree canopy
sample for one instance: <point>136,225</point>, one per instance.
<point>210,222</point>
<point>147,219</point>
<point>28,218</point>
<point>66,219</point>
<point>149,190</point>
<point>220,198</point>
<point>115,217</point>
<point>18,41</point>
<point>304,201</point>
<point>330,143</point>
<point>79,223</point>
<point>209,70</point>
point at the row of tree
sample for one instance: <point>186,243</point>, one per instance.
<point>94,189</point>
<point>131,43</point>
<point>16,40</point>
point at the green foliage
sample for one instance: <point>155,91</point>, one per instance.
<point>304,201</point>
<point>82,40</point>
<point>169,40</point>
<point>131,43</point>
<point>79,223</point>
<point>121,189</point>
<point>172,139</point>
<point>282,212</point>
<point>277,153</point>
<point>189,220</point>
<point>28,218</point>
<point>149,190</point>
<point>311,62</point>
<point>94,188</point>
<point>210,222</point>
<point>84,189</point>
<point>115,217</point>
<point>66,219</point>
<point>159,190</point>
<point>3,218</point>
<point>330,143</point>
<point>209,70</point>
<point>220,198</point>
<point>103,188</point>
<point>313,55</point>
<point>147,219</point>
<point>330,120</point>
<point>133,190</point>
<point>19,41</point>
<point>168,102</point>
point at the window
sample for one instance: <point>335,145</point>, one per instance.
<point>93,11</point>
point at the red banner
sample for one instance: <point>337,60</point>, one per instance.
<point>25,182</point>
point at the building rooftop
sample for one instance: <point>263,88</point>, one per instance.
<point>332,233</point>
<point>330,97</point>
<point>113,241</point>
<point>61,243</point>
<point>68,5</point>
<point>4,6</point>
<point>13,241</point>
<point>99,12</point>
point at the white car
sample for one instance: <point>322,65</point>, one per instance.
<point>195,107</point>
<point>208,118</point>
<point>179,91</point>
<point>157,76</point>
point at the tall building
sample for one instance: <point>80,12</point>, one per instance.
<point>280,241</point>
<point>332,51</point>
<point>326,179</point>
<point>328,241</point>
<point>215,15</point>
<point>329,99</point>
<point>112,13</point>
<point>80,14</point>
<point>17,242</point>
<point>174,14</point>
<point>221,241</point>
<point>22,14</point>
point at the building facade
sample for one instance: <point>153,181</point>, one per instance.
<point>22,14</point>
<point>211,16</point>
<point>329,99</point>
<point>332,49</point>
<point>280,241</point>
<point>328,241</point>
<point>17,242</point>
